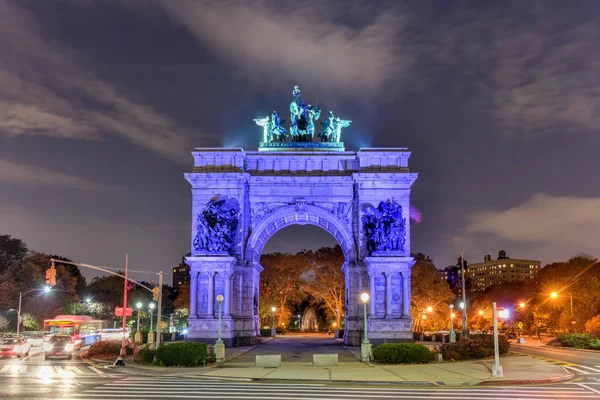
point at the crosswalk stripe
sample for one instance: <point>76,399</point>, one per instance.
<point>269,396</point>
<point>590,368</point>
<point>75,369</point>
<point>582,372</point>
<point>243,387</point>
<point>5,368</point>
<point>96,370</point>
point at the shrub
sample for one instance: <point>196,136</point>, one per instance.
<point>402,353</point>
<point>577,340</point>
<point>145,355</point>
<point>265,332</point>
<point>182,354</point>
<point>592,326</point>
<point>107,347</point>
<point>477,346</point>
<point>595,344</point>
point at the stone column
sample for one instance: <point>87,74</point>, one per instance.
<point>373,294</point>
<point>193,293</point>
<point>388,294</point>
<point>211,294</point>
<point>241,294</point>
<point>405,294</point>
<point>227,295</point>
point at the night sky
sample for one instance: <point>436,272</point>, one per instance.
<point>101,103</point>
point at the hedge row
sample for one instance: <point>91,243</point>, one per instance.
<point>107,347</point>
<point>181,355</point>
<point>476,346</point>
<point>402,353</point>
<point>145,355</point>
<point>579,341</point>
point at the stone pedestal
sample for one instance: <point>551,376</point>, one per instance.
<point>219,348</point>
<point>389,304</point>
<point>365,352</point>
<point>210,276</point>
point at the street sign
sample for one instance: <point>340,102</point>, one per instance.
<point>119,312</point>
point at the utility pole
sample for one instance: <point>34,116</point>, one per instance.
<point>158,318</point>
<point>124,339</point>
<point>465,330</point>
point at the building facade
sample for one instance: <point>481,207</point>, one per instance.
<point>503,269</point>
<point>181,274</point>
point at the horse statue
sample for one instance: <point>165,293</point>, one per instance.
<point>272,129</point>
<point>302,127</point>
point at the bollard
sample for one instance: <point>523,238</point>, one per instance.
<point>433,338</point>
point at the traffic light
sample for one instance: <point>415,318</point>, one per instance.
<point>155,293</point>
<point>51,276</point>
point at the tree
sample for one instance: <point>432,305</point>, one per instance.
<point>280,284</point>
<point>592,326</point>
<point>325,279</point>
<point>183,298</point>
<point>3,323</point>
<point>29,322</point>
<point>12,252</point>
<point>429,291</point>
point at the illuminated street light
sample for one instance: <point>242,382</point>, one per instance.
<point>452,315</point>
<point>462,305</point>
<point>365,347</point>
<point>522,305</point>
<point>88,300</point>
<point>480,312</point>
<point>219,347</point>
<point>47,289</point>
<point>452,334</point>
<point>553,295</point>
<point>429,309</point>
<point>424,316</point>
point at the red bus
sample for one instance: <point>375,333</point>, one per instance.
<point>83,329</point>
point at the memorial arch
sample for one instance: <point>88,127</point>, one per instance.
<point>241,198</point>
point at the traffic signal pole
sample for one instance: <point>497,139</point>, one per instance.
<point>125,282</point>
<point>158,318</point>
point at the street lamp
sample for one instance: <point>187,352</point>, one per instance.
<point>88,300</point>
<point>522,305</point>
<point>365,347</point>
<point>429,309</point>
<point>273,321</point>
<point>452,334</point>
<point>45,290</point>
<point>480,312</point>
<point>219,345</point>
<point>554,295</point>
<point>152,305</point>
<point>337,321</point>
<point>138,338</point>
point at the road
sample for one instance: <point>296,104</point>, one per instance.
<point>34,378</point>
<point>583,363</point>
<point>176,388</point>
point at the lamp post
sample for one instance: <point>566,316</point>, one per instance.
<point>46,289</point>
<point>465,330</point>
<point>554,295</point>
<point>452,334</point>
<point>273,321</point>
<point>365,347</point>
<point>496,368</point>
<point>138,335</point>
<point>151,334</point>
<point>219,345</point>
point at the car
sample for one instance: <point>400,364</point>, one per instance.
<point>59,346</point>
<point>14,346</point>
<point>511,335</point>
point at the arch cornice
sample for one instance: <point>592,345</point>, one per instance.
<point>299,215</point>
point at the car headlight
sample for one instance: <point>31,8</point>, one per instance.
<point>47,347</point>
<point>69,347</point>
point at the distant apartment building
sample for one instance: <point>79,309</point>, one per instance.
<point>453,275</point>
<point>181,274</point>
<point>503,269</point>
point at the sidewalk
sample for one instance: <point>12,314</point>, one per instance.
<point>518,369</point>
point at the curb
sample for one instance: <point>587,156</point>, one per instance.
<point>571,349</point>
<point>317,381</point>
<point>562,378</point>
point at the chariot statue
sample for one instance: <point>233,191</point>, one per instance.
<point>302,127</point>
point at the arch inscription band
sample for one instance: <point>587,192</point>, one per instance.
<point>241,198</point>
